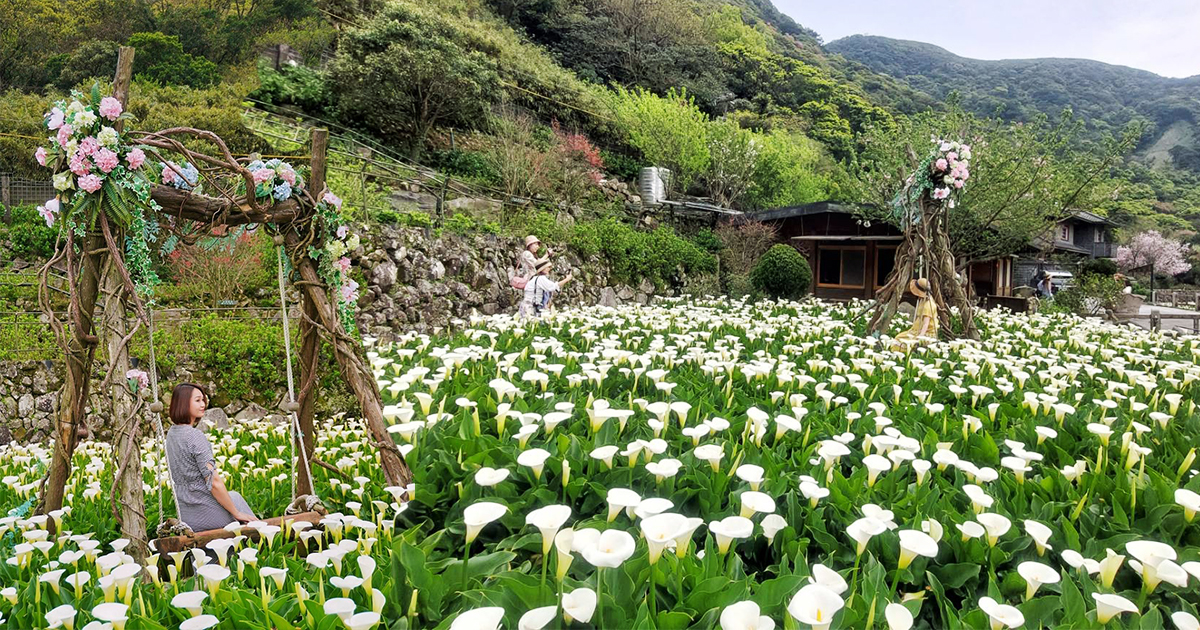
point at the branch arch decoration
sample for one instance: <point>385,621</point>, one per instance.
<point>119,192</point>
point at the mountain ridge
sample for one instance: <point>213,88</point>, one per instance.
<point>1105,96</point>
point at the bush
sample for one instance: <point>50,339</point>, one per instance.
<point>161,60</point>
<point>460,223</point>
<point>390,217</point>
<point>221,267</point>
<point>743,243</point>
<point>738,285</point>
<point>782,273</point>
<point>300,86</point>
<point>417,219</point>
<point>634,255</point>
<point>1092,294</point>
<point>624,167</point>
<point>1100,266</point>
<point>29,235</point>
<point>705,239</point>
<point>467,164</point>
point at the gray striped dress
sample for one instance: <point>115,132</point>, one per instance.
<point>192,466</point>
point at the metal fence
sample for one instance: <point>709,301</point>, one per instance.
<point>18,190</point>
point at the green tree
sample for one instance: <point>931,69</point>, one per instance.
<point>789,172</point>
<point>160,59</point>
<point>93,59</point>
<point>408,71</point>
<point>1024,177</point>
<point>734,154</point>
<point>669,130</point>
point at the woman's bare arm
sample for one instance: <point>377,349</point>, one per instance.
<point>221,494</point>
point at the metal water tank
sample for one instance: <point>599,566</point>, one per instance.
<point>652,184</point>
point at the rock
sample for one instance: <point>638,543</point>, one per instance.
<point>384,275</point>
<point>46,403</point>
<point>251,412</point>
<point>486,207</point>
<point>436,269</point>
<point>491,308</point>
<point>403,201</point>
<point>646,286</point>
<point>906,308</point>
<point>25,406</point>
<point>5,436</point>
<point>625,294</point>
<point>215,418</point>
<point>41,382</point>
<point>608,297</point>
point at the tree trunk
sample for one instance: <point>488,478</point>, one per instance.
<point>125,418</point>
<point>73,397</point>
<point>358,375</point>
<point>310,342</point>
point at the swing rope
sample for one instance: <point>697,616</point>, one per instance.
<point>156,408</point>
<point>292,407</point>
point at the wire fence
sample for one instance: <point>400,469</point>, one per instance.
<point>15,191</point>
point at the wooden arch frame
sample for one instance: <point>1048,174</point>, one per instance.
<point>98,268</point>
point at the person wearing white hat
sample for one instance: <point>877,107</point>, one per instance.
<point>540,290</point>
<point>528,261</point>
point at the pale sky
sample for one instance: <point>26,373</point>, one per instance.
<point>1162,36</point>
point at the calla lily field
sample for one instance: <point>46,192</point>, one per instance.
<point>690,464</point>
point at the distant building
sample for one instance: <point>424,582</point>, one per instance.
<point>1080,237</point>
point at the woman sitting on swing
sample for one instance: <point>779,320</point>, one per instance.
<point>204,502</point>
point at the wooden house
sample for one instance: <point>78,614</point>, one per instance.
<point>852,258</point>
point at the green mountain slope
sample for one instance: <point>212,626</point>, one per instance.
<point>1104,95</point>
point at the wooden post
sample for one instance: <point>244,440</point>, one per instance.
<point>127,424</point>
<point>73,398</point>
<point>6,195</point>
<point>310,340</point>
<point>1155,319</point>
<point>1175,299</point>
<point>358,374</point>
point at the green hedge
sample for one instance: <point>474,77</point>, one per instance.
<point>633,255</point>
<point>28,232</point>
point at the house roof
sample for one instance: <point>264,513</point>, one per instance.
<point>1090,217</point>
<point>787,212</point>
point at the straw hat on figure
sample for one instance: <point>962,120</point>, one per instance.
<point>925,321</point>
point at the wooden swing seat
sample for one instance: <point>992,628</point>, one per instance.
<point>171,544</point>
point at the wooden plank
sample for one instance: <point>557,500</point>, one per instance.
<point>199,539</point>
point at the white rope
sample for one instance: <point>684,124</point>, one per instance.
<point>297,434</point>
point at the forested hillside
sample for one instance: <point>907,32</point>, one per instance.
<point>1105,96</point>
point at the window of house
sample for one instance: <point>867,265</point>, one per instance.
<point>885,261</point>
<point>843,267</point>
<point>1064,232</point>
<point>1100,237</point>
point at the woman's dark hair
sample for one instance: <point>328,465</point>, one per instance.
<point>181,402</point>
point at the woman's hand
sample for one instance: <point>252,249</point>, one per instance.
<point>243,517</point>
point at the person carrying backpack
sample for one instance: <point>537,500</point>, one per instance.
<point>540,290</point>
<point>527,262</point>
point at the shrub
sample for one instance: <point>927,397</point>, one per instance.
<point>1101,266</point>
<point>738,285</point>
<point>29,235</point>
<point>624,167</point>
<point>417,219</point>
<point>744,242</point>
<point>634,255</point>
<point>670,131</point>
<point>301,86</point>
<point>705,239</point>
<point>460,223</point>
<point>161,60</point>
<point>388,216</point>
<point>539,221</point>
<point>1092,294</point>
<point>222,267</point>
<point>782,273</point>
<point>468,164</point>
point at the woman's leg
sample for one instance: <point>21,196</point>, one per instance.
<point>241,503</point>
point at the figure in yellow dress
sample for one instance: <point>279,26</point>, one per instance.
<point>925,321</point>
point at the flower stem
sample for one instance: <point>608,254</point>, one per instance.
<point>651,595</point>
<point>544,562</point>
<point>466,558</point>
<point>854,580</point>
<point>599,597</point>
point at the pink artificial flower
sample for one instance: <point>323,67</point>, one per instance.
<point>49,211</point>
<point>343,264</point>
<point>965,174</point>
<point>106,160</point>
<point>941,193</point>
<point>940,164</point>
<point>64,135</point>
<point>40,155</point>
<point>332,199</point>
<point>56,119</point>
<point>88,145</point>
<point>958,183</point>
<point>952,155</point>
<point>348,290</point>
<point>142,378</point>
<point>169,176</point>
<point>341,232</point>
<point>288,176</point>
<point>135,158</point>
<point>90,183</point>
<point>263,175</point>
<point>110,107</point>
<point>80,164</point>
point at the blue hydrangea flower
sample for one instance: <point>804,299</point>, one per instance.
<point>255,165</point>
<point>283,191</point>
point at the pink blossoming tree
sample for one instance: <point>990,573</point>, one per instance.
<point>1168,256</point>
